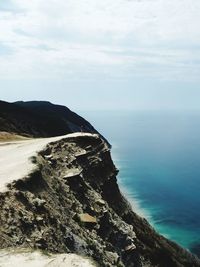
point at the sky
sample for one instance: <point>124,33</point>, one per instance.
<point>105,55</point>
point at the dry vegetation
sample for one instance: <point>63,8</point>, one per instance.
<point>5,136</point>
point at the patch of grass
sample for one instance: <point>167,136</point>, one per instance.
<point>5,137</point>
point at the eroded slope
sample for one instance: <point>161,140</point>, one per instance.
<point>72,203</point>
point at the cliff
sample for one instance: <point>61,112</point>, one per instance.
<point>71,203</point>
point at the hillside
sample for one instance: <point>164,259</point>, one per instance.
<point>71,203</point>
<point>40,119</point>
<point>60,195</point>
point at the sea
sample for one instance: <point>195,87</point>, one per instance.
<point>158,157</point>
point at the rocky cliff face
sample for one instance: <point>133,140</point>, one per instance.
<point>72,203</point>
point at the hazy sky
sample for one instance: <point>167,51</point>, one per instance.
<point>108,54</point>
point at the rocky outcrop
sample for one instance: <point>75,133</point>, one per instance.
<point>71,203</point>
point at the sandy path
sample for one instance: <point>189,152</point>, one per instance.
<point>17,258</point>
<point>15,157</point>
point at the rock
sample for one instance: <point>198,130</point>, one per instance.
<point>130,247</point>
<point>86,218</point>
<point>72,173</point>
<point>113,257</point>
<point>39,219</point>
<point>101,202</point>
<point>48,157</point>
<point>80,153</point>
<point>39,202</point>
<point>75,243</point>
<point>41,243</point>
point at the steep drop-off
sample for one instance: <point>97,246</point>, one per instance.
<point>72,203</point>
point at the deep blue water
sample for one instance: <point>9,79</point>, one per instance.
<point>158,155</point>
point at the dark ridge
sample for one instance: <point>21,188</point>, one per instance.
<point>40,119</point>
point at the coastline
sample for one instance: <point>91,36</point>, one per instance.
<point>130,196</point>
<point>63,205</point>
<point>139,147</point>
<point>136,204</point>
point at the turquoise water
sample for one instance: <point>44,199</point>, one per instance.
<point>158,155</point>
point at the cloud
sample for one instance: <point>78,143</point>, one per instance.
<point>117,38</point>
